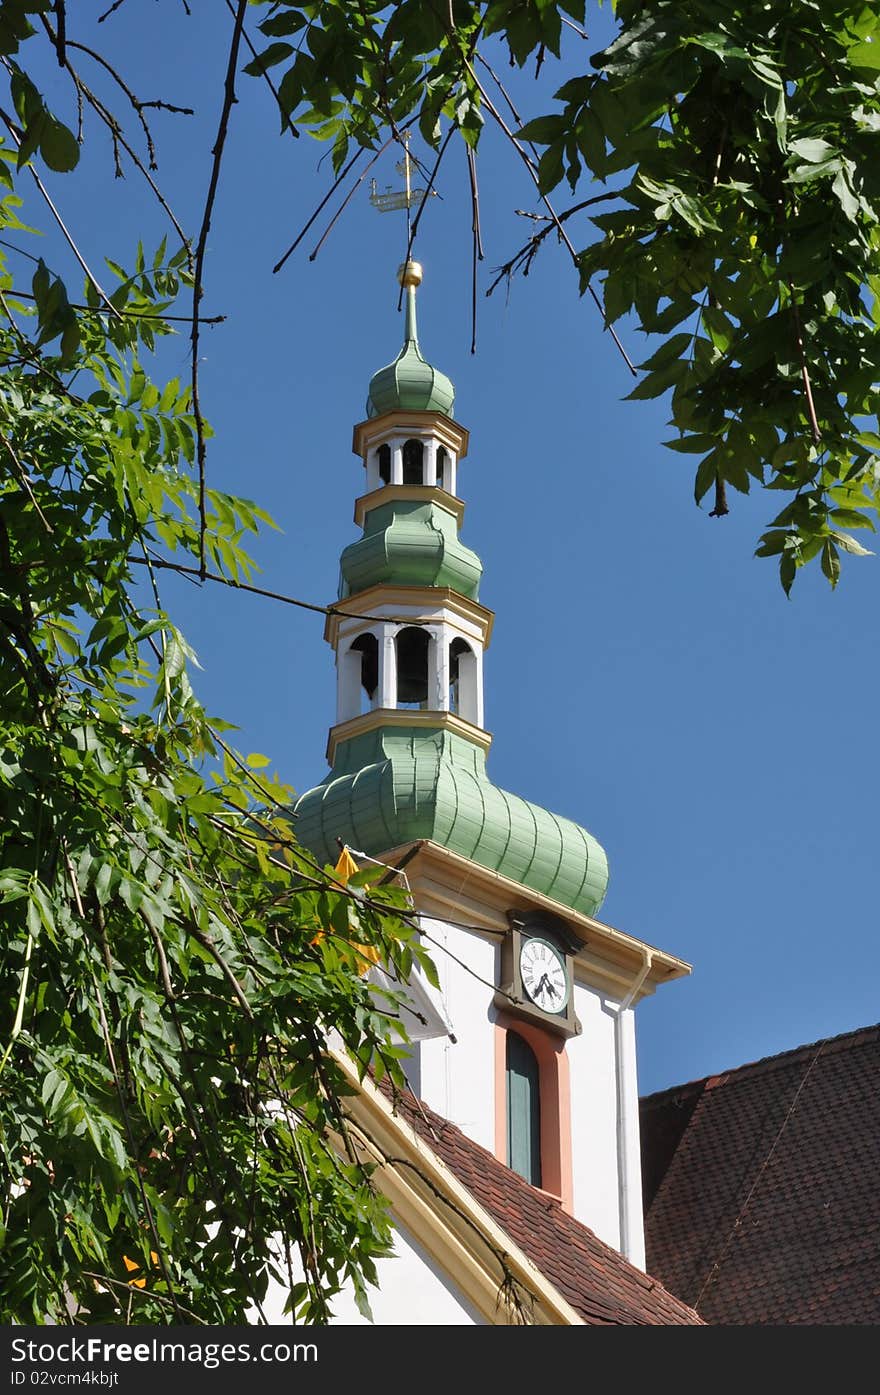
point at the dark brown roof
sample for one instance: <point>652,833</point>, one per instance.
<point>603,1287</point>
<point>762,1198</point>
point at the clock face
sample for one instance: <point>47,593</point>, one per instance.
<point>542,970</point>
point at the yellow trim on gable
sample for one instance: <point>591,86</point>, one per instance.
<point>428,1200</point>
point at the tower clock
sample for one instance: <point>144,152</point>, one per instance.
<point>536,978</point>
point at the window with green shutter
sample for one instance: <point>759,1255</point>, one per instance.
<point>523,1110</point>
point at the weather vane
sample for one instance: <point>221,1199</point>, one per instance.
<point>392,199</point>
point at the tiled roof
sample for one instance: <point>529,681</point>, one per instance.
<point>762,1199</point>
<point>603,1287</point>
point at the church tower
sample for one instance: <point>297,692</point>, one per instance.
<point>538,1064</point>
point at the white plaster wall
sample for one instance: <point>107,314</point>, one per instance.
<point>457,1079</point>
<point>632,1219</point>
<point>594,1140</point>
<point>412,1291</point>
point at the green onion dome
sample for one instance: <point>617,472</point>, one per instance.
<point>410,382</point>
<point>408,542</point>
<point>397,784</point>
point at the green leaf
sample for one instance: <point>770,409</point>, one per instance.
<point>672,349</point>
<point>706,476</point>
<point>658,382</point>
<point>851,518</point>
<point>692,444</point>
<point>851,545</point>
<point>289,22</point>
<point>865,55</point>
<point>274,54</point>
<point>830,562</point>
<point>718,327</point>
<point>543,130</point>
<point>550,169</point>
<point>815,150</point>
<point>58,146</point>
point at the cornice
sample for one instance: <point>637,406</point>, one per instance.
<point>404,717</point>
<point>419,493</point>
<point>375,430</point>
<point>412,603</point>
<point>450,887</point>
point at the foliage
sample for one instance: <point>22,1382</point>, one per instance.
<point>168,1107</point>
<point>739,143</point>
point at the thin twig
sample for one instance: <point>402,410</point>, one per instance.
<point>530,165</point>
<point>206,941</point>
<point>22,474</point>
<point>328,196</point>
<point>349,196</point>
<point>477,244</point>
<point>132,314</point>
<point>118,137</point>
<point>526,253</point>
<point>11,127</point>
<point>127,1287</point>
<point>270,84</point>
<point>61,37</point>
<point>805,375</point>
<point>229,98</point>
<point>424,199</point>
<point>261,591</point>
<point>136,102</point>
<point>107,13</point>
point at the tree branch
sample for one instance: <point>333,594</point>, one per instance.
<point>229,98</point>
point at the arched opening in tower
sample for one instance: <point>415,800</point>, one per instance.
<point>366,656</point>
<point>413,454</point>
<point>412,667</point>
<point>442,467</point>
<point>463,681</point>
<point>384,457</point>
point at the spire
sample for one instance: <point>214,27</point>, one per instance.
<point>409,381</point>
<point>408,748</point>
<point>410,276</point>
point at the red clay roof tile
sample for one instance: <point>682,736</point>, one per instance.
<point>761,1196</point>
<point>603,1287</point>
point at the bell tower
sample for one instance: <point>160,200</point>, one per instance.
<point>427,656</point>
<point>539,1066</point>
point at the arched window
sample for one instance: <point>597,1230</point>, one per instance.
<point>442,464</point>
<point>458,649</point>
<point>367,647</point>
<point>384,454</point>
<point>464,682</point>
<point>413,452</point>
<point>412,667</point>
<point>523,1110</point>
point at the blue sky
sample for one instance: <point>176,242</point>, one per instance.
<point>647,676</point>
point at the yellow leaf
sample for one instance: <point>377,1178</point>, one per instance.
<point>345,866</point>
<point>132,1266</point>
